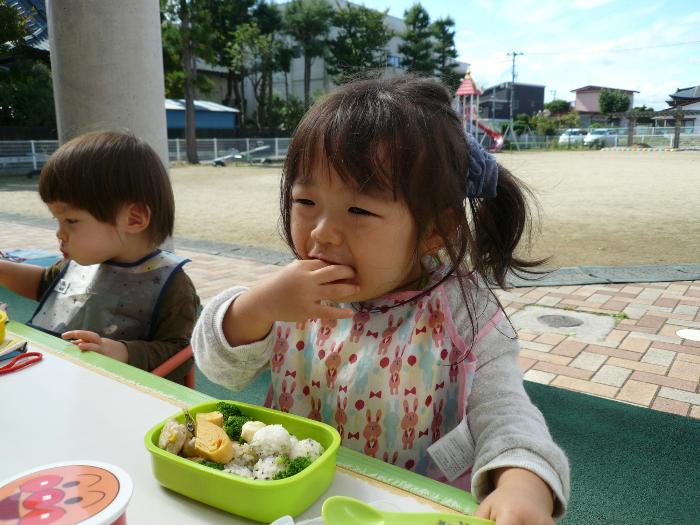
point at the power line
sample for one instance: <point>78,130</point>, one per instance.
<point>619,50</point>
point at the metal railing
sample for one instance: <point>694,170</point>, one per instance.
<point>27,156</point>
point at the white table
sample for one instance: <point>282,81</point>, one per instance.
<point>73,406</point>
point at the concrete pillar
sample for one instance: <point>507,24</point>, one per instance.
<point>107,68</point>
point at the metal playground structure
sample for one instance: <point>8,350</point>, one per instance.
<point>468,98</point>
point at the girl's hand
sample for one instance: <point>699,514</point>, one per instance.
<point>520,498</point>
<point>297,292</point>
<point>86,340</point>
<point>301,290</point>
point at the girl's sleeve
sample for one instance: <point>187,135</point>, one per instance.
<point>231,367</point>
<point>507,429</point>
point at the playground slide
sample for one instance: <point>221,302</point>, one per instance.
<point>498,140</point>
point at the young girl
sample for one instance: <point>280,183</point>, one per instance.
<point>385,326</point>
<point>114,292</point>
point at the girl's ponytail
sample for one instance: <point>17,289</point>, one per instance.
<point>498,225</point>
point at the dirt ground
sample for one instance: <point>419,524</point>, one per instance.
<point>597,207</point>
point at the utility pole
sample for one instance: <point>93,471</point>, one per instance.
<point>512,86</point>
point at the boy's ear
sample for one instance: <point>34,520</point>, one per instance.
<point>137,217</point>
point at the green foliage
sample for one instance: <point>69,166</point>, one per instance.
<point>558,106</point>
<point>446,51</point>
<point>26,95</point>
<point>308,22</point>
<point>212,464</point>
<point>644,120</point>
<point>360,42</point>
<point>417,48</point>
<point>285,114</point>
<point>613,101</point>
<point>293,467</point>
<point>12,27</point>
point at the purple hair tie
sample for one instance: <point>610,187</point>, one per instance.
<point>482,177</point>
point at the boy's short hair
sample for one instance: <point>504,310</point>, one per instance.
<point>104,170</point>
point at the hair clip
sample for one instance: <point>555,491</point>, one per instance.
<point>482,175</point>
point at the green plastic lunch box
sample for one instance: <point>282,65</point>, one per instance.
<point>258,500</point>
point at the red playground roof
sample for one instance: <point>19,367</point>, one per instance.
<point>467,87</point>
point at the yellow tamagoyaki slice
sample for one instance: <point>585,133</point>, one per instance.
<point>212,442</point>
<point>213,417</point>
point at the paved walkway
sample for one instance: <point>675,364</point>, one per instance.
<point>639,359</point>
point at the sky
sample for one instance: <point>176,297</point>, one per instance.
<point>638,45</point>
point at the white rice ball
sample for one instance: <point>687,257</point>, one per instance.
<point>308,448</point>
<point>238,470</point>
<point>272,440</point>
<point>243,455</point>
<point>266,468</point>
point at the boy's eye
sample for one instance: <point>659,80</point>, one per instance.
<point>359,211</point>
<point>304,202</point>
<point>71,221</point>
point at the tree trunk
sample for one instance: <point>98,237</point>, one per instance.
<point>286,87</point>
<point>631,122</point>
<point>229,88</point>
<point>677,123</point>
<point>190,73</point>
<point>307,79</point>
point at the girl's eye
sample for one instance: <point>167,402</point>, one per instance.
<point>304,202</point>
<point>359,211</point>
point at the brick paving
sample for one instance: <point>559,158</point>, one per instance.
<point>641,361</point>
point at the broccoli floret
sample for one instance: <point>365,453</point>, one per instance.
<point>228,410</point>
<point>293,467</point>
<point>212,464</point>
<point>233,426</point>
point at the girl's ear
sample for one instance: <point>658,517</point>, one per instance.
<point>137,217</point>
<point>432,242</point>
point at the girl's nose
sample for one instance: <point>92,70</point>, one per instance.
<point>326,232</point>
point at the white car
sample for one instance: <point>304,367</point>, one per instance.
<point>572,136</point>
<point>600,137</point>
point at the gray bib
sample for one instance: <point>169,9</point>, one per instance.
<point>116,300</point>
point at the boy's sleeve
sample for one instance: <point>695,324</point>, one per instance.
<point>49,276</point>
<point>174,324</point>
<point>508,430</point>
<point>231,367</point>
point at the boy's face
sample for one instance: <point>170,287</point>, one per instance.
<point>83,238</point>
<point>373,234</point>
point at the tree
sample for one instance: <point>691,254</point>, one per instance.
<point>417,48</point>
<point>308,22</point>
<point>444,33</point>
<point>12,27</point>
<point>558,106</point>
<point>254,52</point>
<point>644,120</point>
<point>226,16</point>
<point>360,43</point>
<point>191,33</point>
<point>26,95</point>
<point>613,101</point>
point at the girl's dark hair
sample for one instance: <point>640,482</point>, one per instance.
<point>102,171</point>
<point>401,134</point>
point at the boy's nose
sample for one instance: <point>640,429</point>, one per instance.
<point>326,232</point>
<point>60,234</point>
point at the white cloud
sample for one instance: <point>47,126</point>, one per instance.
<point>590,4</point>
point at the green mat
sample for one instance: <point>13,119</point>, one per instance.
<point>629,464</point>
<point>18,308</point>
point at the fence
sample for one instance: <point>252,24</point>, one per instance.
<point>28,156</point>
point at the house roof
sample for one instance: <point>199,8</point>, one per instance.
<point>199,105</point>
<point>686,93</point>
<point>34,12</point>
<point>467,87</point>
<point>598,88</point>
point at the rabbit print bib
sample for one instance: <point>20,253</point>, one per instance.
<point>392,380</point>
